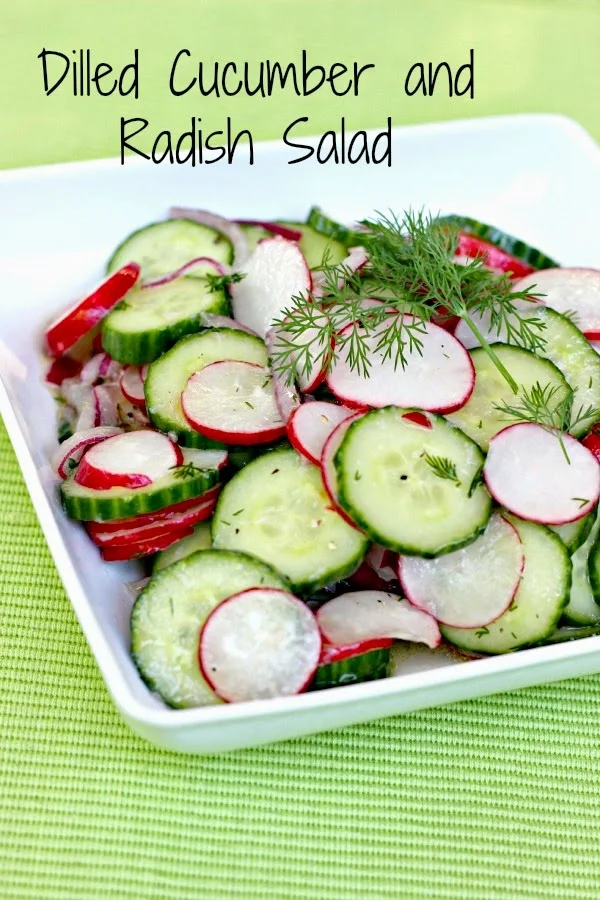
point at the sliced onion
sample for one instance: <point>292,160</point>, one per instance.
<point>219,268</point>
<point>107,397</point>
<point>229,229</point>
<point>290,234</point>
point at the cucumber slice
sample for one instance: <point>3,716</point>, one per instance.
<point>538,603</point>
<point>387,483</point>
<point>90,505</point>
<point>150,320</point>
<point>517,248</point>
<point>568,633</point>
<point>254,234</point>
<point>200,540</point>
<point>163,247</point>
<point>574,534</point>
<point>168,616</point>
<point>329,228</point>
<point>276,509</point>
<point>369,666</point>
<point>315,246</point>
<point>478,418</point>
<point>582,608</point>
<point>168,376</point>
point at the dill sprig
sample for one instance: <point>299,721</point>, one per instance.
<point>187,470</point>
<point>442,467</point>
<point>550,406</point>
<point>411,268</point>
<point>218,283</point>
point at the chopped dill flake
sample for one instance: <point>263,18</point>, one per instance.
<point>442,467</point>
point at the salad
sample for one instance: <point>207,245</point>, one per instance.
<point>323,440</point>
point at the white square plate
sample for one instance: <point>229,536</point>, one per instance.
<point>535,176</point>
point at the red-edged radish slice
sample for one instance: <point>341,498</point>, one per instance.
<point>469,247</point>
<point>276,272</point>
<point>311,425</point>
<point>573,291</point>
<point>365,578</point>
<point>158,529</point>
<point>328,472</point>
<point>438,377</point>
<point>383,562</point>
<point>308,378</point>
<point>482,321</point>
<point>527,472</point>
<point>233,401</point>
<point>332,654</point>
<point>77,321</point>
<point>592,443</point>
<point>231,230</point>
<point>164,515</point>
<point>61,369</point>
<point>369,615</point>
<point>130,460</point>
<point>70,451</point>
<point>470,587</point>
<point>136,549</point>
<point>418,418</point>
<point>259,643</point>
<point>284,231</point>
<point>357,258</point>
<point>204,262</point>
<point>286,396</point>
<point>595,345</point>
<point>132,386</point>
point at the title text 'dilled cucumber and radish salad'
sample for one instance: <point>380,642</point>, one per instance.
<point>325,441</point>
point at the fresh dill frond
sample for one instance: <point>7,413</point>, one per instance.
<point>187,470</point>
<point>218,283</point>
<point>442,467</point>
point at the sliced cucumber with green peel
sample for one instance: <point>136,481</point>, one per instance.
<point>163,247</point>
<point>517,248</point>
<point>200,540</point>
<point>168,616</point>
<point>369,666</point>
<point>478,417</point>
<point>254,234</point>
<point>582,608</point>
<point>276,509</point>
<point>391,482</point>
<point>316,247</point>
<point>91,505</point>
<point>538,604</point>
<point>168,376</point>
<point>322,224</point>
<point>574,534</point>
<point>151,319</point>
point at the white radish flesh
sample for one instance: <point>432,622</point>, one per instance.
<point>439,377</point>
<point>276,272</point>
<point>311,425</point>
<point>328,472</point>
<point>132,385</point>
<point>258,644</point>
<point>286,395</point>
<point>542,476</point>
<point>71,450</point>
<point>148,455</point>
<point>569,290</point>
<point>470,587</point>
<point>234,401</point>
<point>367,615</point>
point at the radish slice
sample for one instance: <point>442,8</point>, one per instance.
<point>328,472</point>
<point>70,451</point>
<point>368,615</point>
<point>286,396</point>
<point>332,654</point>
<point>383,562</point>
<point>166,514</point>
<point>89,413</point>
<point>438,377</point>
<point>81,318</point>
<point>573,291</point>
<point>483,322</point>
<point>259,643</point>
<point>308,379</point>
<point>61,369</point>
<point>311,425</point>
<point>130,460</point>
<point>229,229</point>
<point>233,401</point>
<point>276,272</point>
<point>123,536</point>
<point>206,262</point>
<point>470,587</point>
<point>132,386</point>
<point>211,320</point>
<point>136,549</point>
<point>497,260</point>
<point>290,234</point>
<point>527,472</point>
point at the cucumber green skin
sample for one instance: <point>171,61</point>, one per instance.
<point>199,540</point>
<point>370,666</point>
<point>318,221</point>
<point>185,436</point>
<point>222,252</point>
<point>570,633</point>
<point>121,503</point>
<point>183,583</point>
<point>313,245</point>
<point>594,569</point>
<point>512,245</point>
<point>580,534</point>
<point>141,347</point>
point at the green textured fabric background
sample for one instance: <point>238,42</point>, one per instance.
<point>497,798</point>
